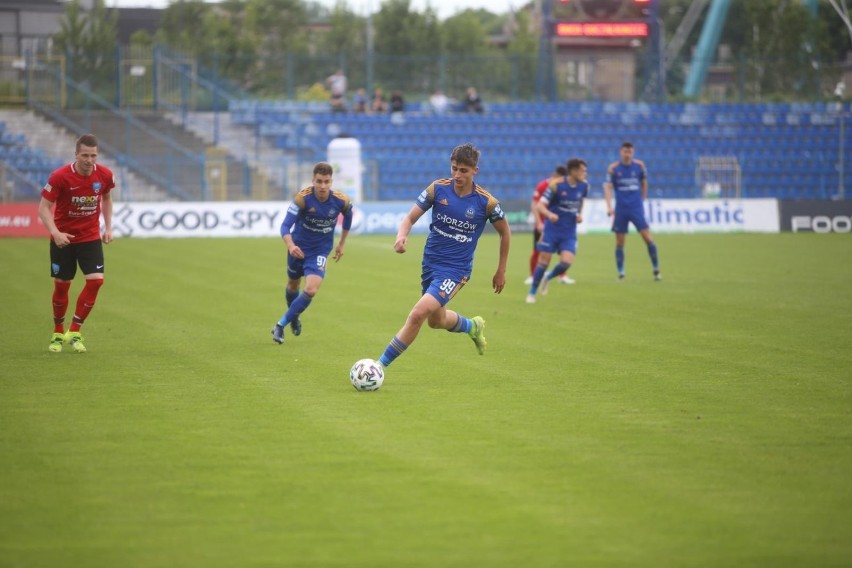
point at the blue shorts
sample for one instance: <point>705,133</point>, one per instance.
<point>622,219</point>
<point>557,241</point>
<point>313,263</point>
<point>442,284</point>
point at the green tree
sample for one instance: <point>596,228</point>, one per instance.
<point>407,43</point>
<point>523,52</point>
<point>179,26</point>
<point>88,41</point>
<point>782,48</point>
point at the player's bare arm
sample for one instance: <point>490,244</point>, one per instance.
<point>106,209</point>
<point>498,282</point>
<point>405,228</point>
<point>338,250</point>
<point>292,248</point>
<point>541,208</point>
<point>45,213</point>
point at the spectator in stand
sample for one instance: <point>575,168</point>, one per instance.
<point>337,85</point>
<point>359,101</point>
<point>397,103</point>
<point>472,102</point>
<point>378,103</point>
<point>439,102</point>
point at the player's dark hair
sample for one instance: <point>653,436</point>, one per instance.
<point>323,169</point>
<point>466,154</point>
<point>575,163</point>
<point>626,144</point>
<point>89,140</point>
<point>561,171</point>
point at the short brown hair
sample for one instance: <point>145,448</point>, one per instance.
<point>575,163</point>
<point>466,154</point>
<point>323,169</point>
<point>89,140</point>
<point>626,144</point>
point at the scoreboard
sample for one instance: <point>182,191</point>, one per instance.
<point>601,18</point>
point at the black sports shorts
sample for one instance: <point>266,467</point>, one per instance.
<point>64,261</point>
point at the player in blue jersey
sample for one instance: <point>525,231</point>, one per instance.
<point>561,205</point>
<point>308,232</point>
<point>628,179</point>
<point>460,209</point>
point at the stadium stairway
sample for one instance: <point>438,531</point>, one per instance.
<point>56,144</point>
<point>241,143</point>
<point>183,172</point>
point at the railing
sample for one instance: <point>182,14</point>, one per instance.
<point>163,162</point>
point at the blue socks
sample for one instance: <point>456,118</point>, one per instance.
<point>537,276</point>
<point>290,296</point>
<point>619,259</point>
<point>462,326</point>
<point>299,305</point>
<point>559,270</point>
<point>392,351</point>
<point>652,252</point>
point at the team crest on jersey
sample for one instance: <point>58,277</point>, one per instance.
<point>96,187</point>
<point>470,213</point>
<point>333,213</point>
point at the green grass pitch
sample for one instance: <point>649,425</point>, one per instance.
<point>705,420</point>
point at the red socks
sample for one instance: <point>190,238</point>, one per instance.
<point>85,302</point>
<point>60,304</point>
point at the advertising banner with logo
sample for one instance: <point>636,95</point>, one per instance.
<point>693,216</point>
<point>802,216</point>
<point>242,219</point>
<point>21,220</point>
<point>672,216</point>
<point>263,218</point>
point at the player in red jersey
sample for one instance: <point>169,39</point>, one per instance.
<point>78,193</point>
<point>559,172</point>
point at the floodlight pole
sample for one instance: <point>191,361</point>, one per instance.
<point>370,49</point>
<point>841,157</point>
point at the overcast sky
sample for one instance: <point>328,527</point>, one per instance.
<point>445,8</point>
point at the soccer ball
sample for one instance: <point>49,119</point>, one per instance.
<point>366,375</point>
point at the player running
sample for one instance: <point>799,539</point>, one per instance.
<point>561,205</point>
<point>460,209</point>
<point>308,232</point>
<point>629,179</point>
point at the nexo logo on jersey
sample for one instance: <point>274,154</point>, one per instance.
<point>84,199</point>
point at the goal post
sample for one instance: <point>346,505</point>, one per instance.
<point>718,177</point>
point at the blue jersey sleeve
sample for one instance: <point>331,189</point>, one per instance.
<point>345,210</point>
<point>427,197</point>
<point>290,218</point>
